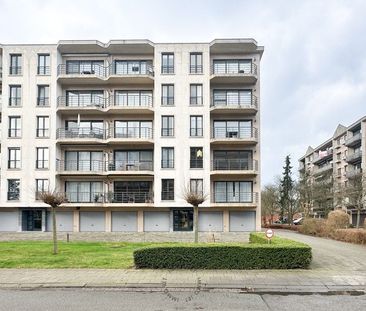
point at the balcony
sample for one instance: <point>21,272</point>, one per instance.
<point>125,72</point>
<point>249,199</point>
<point>231,167</point>
<point>80,135</point>
<point>128,135</point>
<point>324,169</point>
<point>354,157</point>
<point>234,104</point>
<point>323,156</point>
<point>353,173</point>
<point>354,140</point>
<point>233,71</point>
<point>234,135</point>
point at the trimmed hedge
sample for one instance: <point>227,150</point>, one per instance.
<point>280,254</point>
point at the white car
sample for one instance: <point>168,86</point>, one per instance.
<point>297,221</point>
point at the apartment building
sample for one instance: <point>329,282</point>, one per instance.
<point>336,161</point>
<point>124,128</point>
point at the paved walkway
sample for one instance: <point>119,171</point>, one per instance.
<point>337,266</point>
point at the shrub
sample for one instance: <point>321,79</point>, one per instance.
<point>357,236</point>
<point>281,254</point>
<point>337,220</point>
<point>313,226</point>
<point>283,226</point>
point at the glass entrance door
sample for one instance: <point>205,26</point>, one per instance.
<point>32,220</point>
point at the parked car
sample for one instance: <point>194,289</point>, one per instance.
<point>297,221</point>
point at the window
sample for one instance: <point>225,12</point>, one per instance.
<point>196,126</point>
<point>133,98</point>
<point>167,94</point>
<point>15,97</point>
<point>233,191</point>
<point>85,67</point>
<point>232,160</point>
<point>235,66</point>
<point>196,95</point>
<point>167,63</point>
<point>167,189</point>
<point>196,157</point>
<point>43,95</point>
<point>43,125</point>
<point>233,129</point>
<point>14,160</point>
<point>233,98</point>
<point>13,189</point>
<point>42,157</point>
<point>167,157</point>
<point>84,191</point>
<point>167,126</point>
<point>42,185</point>
<point>132,160</point>
<point>15,64</point>
<point>83,161</point>
<point>43,64</point>
<point>93,129</point>
<point>133,129</point>
<point>15,127</point>
<point>85,98</point>
<point>132,192</point>
<point>196,186</point>
<point>133,67</point>
<point>196,63</point>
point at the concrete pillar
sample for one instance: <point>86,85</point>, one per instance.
<point>44,215</point>
<point>226,219</point>
<point>108,221</point>
<point>76,221</point>
<point>140,221</point>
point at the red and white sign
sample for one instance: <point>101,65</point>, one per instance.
<point>269,233</point>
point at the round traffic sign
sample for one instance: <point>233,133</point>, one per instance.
<point>269,233</point>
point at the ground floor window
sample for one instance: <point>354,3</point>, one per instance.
<point>32,220</point>
<point>183,220</point>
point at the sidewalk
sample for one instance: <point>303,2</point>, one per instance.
<point>285,281</point>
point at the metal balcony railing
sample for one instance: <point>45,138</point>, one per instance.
<point>15,70</point>
<point>85,166</point>
<point>233,101</point>
<point>43,101</point>
<point>130,100</point>
<point>167,163</point>
<point>196,100</point>
<point>167,100</point>
<point>326,154</point>
<point>234,132</point>
<point>108,197</point>
<point>43,70</point>
<point>118,165</point>
<point>15,101</point>
<point>232,67</point>
<point>84,197</point>
<point>80,133</point>
<point>194,69</point>
<point>131,132</point>
<point>234,197</point>
<point>196,163</point>
<point>355,138</point>
<point>167,195</point>
<point>14,133</point>
<point>234,165</point>
<point>354,156</point>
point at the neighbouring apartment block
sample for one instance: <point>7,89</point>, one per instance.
<point>124,128</point>
<point>335,163</point>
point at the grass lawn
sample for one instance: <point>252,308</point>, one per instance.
<point>38,254</point>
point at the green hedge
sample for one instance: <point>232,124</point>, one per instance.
<point>280,254</point>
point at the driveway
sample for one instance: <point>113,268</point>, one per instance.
<point>329,254</point>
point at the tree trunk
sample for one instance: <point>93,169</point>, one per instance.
<point>358,218</point>
<point>195,223</point>
<point>54,233</point>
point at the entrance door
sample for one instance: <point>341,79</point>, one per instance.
<point>182,220</point>
<point>32,220</point>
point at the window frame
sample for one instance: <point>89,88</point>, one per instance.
<point>17,128</point>
<point>169,68</point>
<point>167,162</point>
<point>169,130</point>
<point>168,189</point>
<point>15,157</point>
<point>42,158</point>
<point>195,69</point>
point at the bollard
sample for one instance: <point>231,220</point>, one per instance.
<point>67,237</point>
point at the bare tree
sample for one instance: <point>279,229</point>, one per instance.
<point>324,193</point>
<point>270,201</point>
<point>53,199</point>
<point>195,198</point>
<point>306,193</point>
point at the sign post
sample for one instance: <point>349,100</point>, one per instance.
<point>269,235</point>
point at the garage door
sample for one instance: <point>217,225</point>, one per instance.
<point>210,221</point>
<point>92,221</point>
<point>156,221</point>
<point>9,221</point>
<point>242,221</point>
<point>124,221</point>
<point>64,221</point>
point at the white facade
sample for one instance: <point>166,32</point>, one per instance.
<point>102,100</point>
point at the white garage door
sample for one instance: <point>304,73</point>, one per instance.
<point>124,221</point>
<point>210,221</point>
<point>64,221</point>
<point>242,221</point>
<point>9,221</point>
<point>92,221</point>
<point>156,221</point>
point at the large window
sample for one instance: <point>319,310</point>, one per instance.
<point>233,160</point>
<point>132,192</point>
<point>233,191</point>
<point>15,95</point>
<point>85,67</point>
<point>92,129</point>
<point>167,157</point>
<point>15,126</point>
<point>167,126</point>
<point>15,64</point>
<point>14,158</point>
<point>84,191</point>
<point>133,98</point>
<point>233,129</point>
<point>167,94</point>
<point>43,64</point>
<point>196,160</point>
<point>42,185</point>
<point>196,186</point>
<point>235,66</point>
<point>42,157</point>
<point>167,63</point>
<point>232,98</point>
<point>43,97</point>
<point>43,126</point>
<point>196,63</point>
<point>85,98</point>
<point>132,160</point>
<point>13,189</point>
<point>196,95</point>
<point>83,161</point>
<point>196,126</point>
<point>132,67</point>
<point>167,189</point>
<point>133,129</point>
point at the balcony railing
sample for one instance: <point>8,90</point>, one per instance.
<point>326,154</point>
<point>15,70</point>
<point>235,197</point>
<point>80,133</point>
<point>234,165</point>
<point>43,70</point>
<point>15,101</point>
<point>354,156</point>
<point>324,168</point>
<point>354,139</point>
<point>43,101</point>
<point>108,197</point>
<point>196,69</point>
<point>131,132</point>
<point>85,166</point>
<point>232,101</point>
<point>167,163</point>
<point>245,68</point>
<point>234,132</point>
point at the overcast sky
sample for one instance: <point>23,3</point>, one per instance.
<point>313,68</point>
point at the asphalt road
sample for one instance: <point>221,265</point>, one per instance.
<point>100,299</point>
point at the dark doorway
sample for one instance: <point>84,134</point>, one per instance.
<point>32,220</point>
<point>183,220</point>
